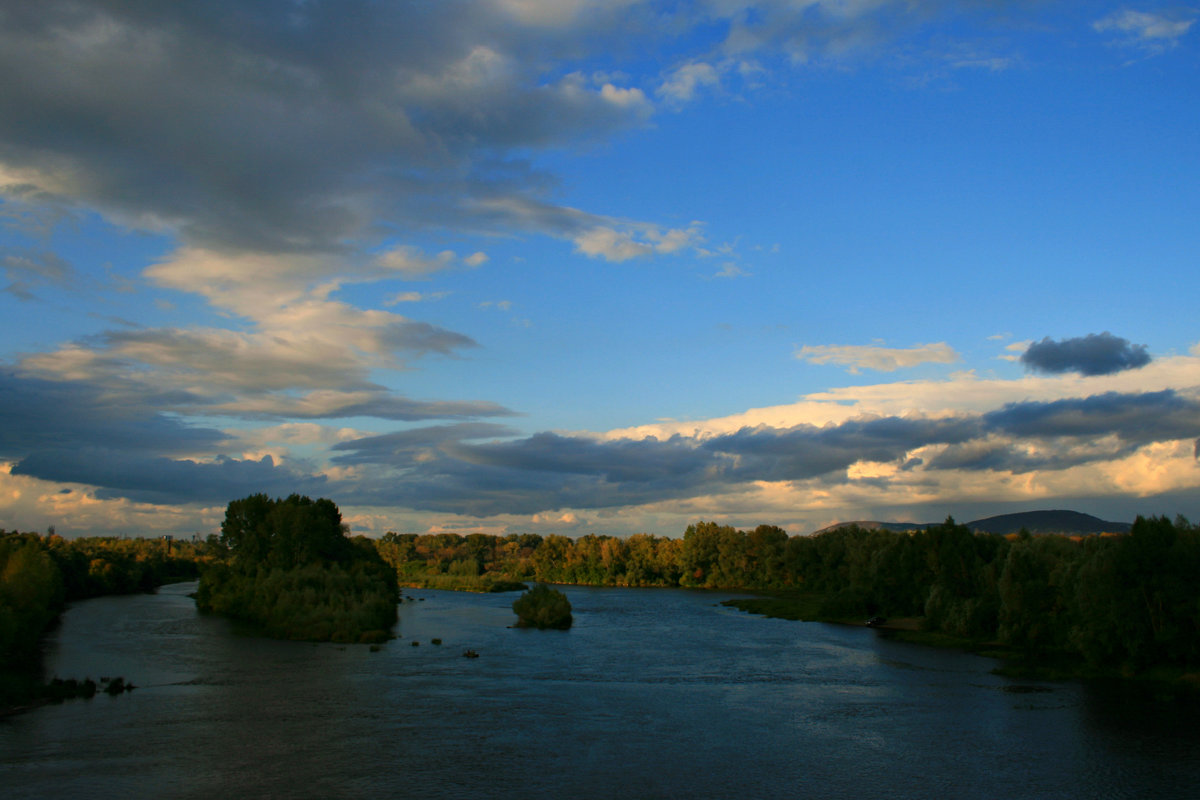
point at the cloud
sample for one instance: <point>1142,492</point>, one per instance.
<point>125,439</point>
<point>212,360</point>
<point>141,478</point>
<point>413,297</point>
<point>1152,32</point>
<point>882,359</point>
<point>26,268</point>
<point>484,470</point>
<point>731,270</point>
<point>411,264</point>
<point>226,373</point>
<point>310,146</point>
<point>426,121</point>
<point>1094,354</point>
<point>295,166</point>
<point>377,403</point>
<point>686,81</point>
<point>623,241</point>
<point>814,29</point>
<point>307,144</point>
<point>1134,418</point>
<point>124,443</point>
<point>44,414</point>
<point>413,445</point>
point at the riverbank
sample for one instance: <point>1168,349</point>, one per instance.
<point>479,584</point>
<point>1161,680</point>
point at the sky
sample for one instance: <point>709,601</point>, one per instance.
<point>597,266</point>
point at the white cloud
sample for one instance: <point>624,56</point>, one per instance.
<point>412,297</point>
<point>1149,31</point>
<point>882,359</point>
<point>685,82</point>
<point>611,244</point>
<point>630,241</point>
<point>411,264</point>
<point>633,99</point>
<point>673,240</point>
<point>1014,350</point>
<point>731,270</point>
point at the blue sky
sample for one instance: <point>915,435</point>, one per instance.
<point>583,266</point>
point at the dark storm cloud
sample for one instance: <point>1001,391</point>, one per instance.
<point>552,471</point>
<point>1000,456</point>
<point>72,431</point>
<point>528,475</point>
<point>1074,431</point>
<point>478,469</point>
<point>619,461</point>
<point>1134,418</point>
<point>1094,354</point>
<point>279,125</point>
<point>548,471</point>
<point>395,448</point>
<point>41,414</point>
<point>148,479</point>
<point>974,455</point>
<point>806,451</point>
<point>117,437</point>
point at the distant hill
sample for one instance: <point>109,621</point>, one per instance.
<point>1072,523</point>
<point>874,525</point>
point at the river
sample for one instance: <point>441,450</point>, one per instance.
<point>653,693</point>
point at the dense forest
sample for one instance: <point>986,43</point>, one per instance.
<point>1128,602</point>
<point>292,572</point>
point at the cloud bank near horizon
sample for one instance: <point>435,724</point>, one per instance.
<point>483,469</point>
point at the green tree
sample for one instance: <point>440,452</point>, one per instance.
<point>543,607</point>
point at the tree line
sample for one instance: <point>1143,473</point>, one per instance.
<point>1130,601</point>
<point>40,574</point>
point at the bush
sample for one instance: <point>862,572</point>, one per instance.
<point>542,607</point>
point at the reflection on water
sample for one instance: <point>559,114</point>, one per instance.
<point>653,693</point>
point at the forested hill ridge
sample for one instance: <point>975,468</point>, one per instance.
<point>1066,523</point>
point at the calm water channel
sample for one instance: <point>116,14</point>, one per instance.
<point>653,693</point>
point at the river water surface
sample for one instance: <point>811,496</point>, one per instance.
<point>653,693</point>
